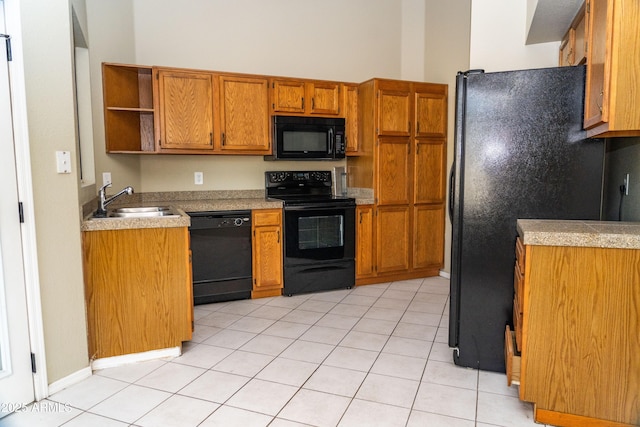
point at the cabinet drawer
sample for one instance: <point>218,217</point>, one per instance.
<point>266,217</point>
<point>520,254</point>
<point>511,359</point>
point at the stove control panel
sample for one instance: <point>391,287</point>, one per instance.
<point>281,177</point>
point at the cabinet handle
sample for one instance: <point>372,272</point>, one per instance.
<point>303,102</point>
<point>418,127</point>
<point>313,104</point>
<point>224,139</point>
<point>278,236</point>
<point>599,104</point>
<point>360,217</point>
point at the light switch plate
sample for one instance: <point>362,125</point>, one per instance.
<point>198,178</point>
<point>63,161</point>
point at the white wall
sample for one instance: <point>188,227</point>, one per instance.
<point>498,34</point>
<point>351,40</point>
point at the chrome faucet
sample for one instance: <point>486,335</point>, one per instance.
<point>104,200</point>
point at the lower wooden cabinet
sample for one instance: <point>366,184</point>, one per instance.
<point>137,289</point>
<point>365,239</point>
<point>266,227</point>
<point>580,311</point>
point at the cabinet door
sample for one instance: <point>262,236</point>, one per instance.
<point>244,115</point>
<point>267,253</point>
<point>394,109</point>
<point>288,96</point>
<point>392,239</point>
<point>431,114</point>
<point>186,110</point>
<point>351,117</point>
<point>364,242</point>
<point>325,98</point>
<point>580,38</point>
<point>428,236</point>
<point>393,171</point>
<point>429,171</point>
<point>567,52</point>
<point>597,80</point>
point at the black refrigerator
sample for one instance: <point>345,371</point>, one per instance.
<point>520,152</point>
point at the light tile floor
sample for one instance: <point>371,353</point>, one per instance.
<point>375,355</point>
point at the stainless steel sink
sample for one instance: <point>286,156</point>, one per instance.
<point>141,212</point>
<point>143,209</point>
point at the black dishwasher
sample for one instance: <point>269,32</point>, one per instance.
<point>221,256</point>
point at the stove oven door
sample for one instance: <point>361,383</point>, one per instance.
<point>315,234</point>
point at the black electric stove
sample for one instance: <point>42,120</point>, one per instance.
<point>319,231</point>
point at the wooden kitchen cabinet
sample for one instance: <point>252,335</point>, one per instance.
<point>613,71</point>
<point>305,97</point>
<point>350,102</point>
<point>244,115</point>
<point>266,227</point>
<point>137,289</point>
<point>186,110</point>
<point>128,108</point>
<point>402,134</point>
<point>577,310</point>
<point>365,239</point>
<point>573,47</point>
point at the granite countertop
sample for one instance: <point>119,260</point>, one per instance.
<point>189,201</point>
<point>595,234</point>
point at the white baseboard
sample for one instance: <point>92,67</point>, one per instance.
<point>69,380</point>
<point>110,362</point>
<point>445,274</point>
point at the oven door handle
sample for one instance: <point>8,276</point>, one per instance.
<point>319,269</point>
<point>318,207</point>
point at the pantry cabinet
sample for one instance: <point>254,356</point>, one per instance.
<point>267,258</point>
<point>138,290</point>
<point>244,115</point>
<point>186,110</point>
<point>402,134</point>
<point>612,91</point>
<point>575,345</point>
<point>305,97</point>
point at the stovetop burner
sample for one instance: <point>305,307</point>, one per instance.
<point>298,188</point>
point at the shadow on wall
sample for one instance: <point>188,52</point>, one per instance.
<point>622,157</point>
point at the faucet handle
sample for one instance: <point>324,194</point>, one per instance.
<point>108,184</point>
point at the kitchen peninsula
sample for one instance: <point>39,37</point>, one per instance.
<point>577,322</point>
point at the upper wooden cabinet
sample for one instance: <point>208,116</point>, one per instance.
<point>430,110</point>
<point>350,94</point>
<point>186,109</point>
<point>613,70</point>
<point>305,97</point>
<point>573,47</point>
<point>128,108</point>
<point>244,115</point>
<point>394,108</point>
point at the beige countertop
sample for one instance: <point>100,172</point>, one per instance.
<point>189,201</point>
<point>596,234</point>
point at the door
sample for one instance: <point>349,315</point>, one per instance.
<point>16,381</point>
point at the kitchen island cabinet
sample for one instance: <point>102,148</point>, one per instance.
<point>137,289</point>
<point>577,306</point>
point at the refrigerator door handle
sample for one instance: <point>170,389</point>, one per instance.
<point>452,191</point>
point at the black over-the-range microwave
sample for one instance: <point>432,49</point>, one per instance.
<point>307,138</point>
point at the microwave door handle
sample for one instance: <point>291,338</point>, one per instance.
<point>331,140</point>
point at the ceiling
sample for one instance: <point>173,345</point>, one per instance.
<point>551,19</point>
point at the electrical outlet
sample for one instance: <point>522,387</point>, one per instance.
<point>626,185</point>
<point>106,178</point>
<point>198,178</point>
